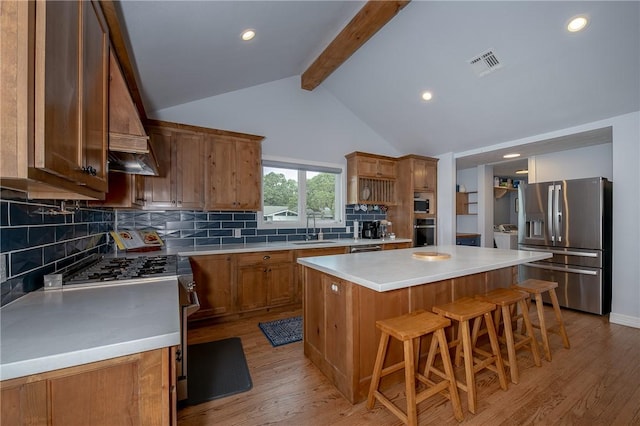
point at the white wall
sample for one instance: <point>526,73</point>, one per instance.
<point>446,221</point>
<point>298,124</point>
<point>573,164</point>
<point>468,178</point>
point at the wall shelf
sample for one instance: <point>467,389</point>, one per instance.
<point>463,203</point>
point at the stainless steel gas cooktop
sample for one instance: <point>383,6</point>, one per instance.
<point>115,270</point>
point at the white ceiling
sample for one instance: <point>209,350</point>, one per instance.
<point>549,79</point>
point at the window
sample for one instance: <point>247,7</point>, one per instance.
<point>295,194</point>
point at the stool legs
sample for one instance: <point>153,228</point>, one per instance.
<point>377,369</point>
<point>536,288</point>
<point>408,329</point>
<point>511,343</point>
<point>543,327</point>
<point>410,383</point>
<point>559,320</point>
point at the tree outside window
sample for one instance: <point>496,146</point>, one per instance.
<point>292,194</point>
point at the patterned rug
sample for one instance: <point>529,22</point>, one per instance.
<point>282,331</point>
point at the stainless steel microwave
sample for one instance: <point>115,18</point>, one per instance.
<point>420,205</point>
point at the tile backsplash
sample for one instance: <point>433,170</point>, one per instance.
<point>37,239</point>
<point>195,228</point>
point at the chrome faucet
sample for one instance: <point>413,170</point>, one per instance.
<point>307,235</point>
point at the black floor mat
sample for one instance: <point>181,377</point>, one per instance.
<point>215,370</point>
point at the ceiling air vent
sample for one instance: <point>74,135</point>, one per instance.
<point>485,63</point>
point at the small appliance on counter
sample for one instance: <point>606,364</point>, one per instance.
<point>371,229</point>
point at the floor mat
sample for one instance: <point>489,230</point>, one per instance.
<point>216,369</point>
<point>282,331</point>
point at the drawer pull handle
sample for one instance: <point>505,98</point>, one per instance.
<point>266,258</point>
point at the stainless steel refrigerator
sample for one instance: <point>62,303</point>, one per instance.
<point>572,220</point>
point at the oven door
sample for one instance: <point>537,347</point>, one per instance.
<point>189,304</point>
<point>424,232</point>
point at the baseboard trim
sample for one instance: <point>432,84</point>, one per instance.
<point>627,320</point>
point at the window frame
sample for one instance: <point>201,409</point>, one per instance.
<point>303,166</point>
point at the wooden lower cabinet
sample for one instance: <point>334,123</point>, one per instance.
<point>396,246</point>
<point>214,276</point>
<point>265,279</point>
<point>340,334</point>
<point>136,389</point>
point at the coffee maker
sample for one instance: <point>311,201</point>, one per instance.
<point>371,229</point>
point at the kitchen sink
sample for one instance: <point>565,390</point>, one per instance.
<point>305,243</point>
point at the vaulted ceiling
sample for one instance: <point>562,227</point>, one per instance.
<point>547,78</point>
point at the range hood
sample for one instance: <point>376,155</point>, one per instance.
<point>129,147</point>
<point>131,154</point>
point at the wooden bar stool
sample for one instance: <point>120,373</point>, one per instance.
<point>406,328</point>
<point>536,288</point>
<point>507,298</point>
<point>464,310</point>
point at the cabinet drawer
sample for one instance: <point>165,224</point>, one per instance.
<point>265,257</point>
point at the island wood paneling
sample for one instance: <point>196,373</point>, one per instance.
<point>340,335</point>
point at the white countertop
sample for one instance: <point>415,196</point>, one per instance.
<point>396,269</point>
<point>49,330</point>
<point>279,245</point>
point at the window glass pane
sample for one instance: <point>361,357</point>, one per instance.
<point>321,195</point>
<point>280,194</point>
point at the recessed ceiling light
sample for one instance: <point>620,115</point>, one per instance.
<point>577,23</point>
<point>248,35</point>
<point>427,96</point>
<point>513,155</point>
<point>522,172</point>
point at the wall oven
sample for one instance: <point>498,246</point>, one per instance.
<point>424,232</point>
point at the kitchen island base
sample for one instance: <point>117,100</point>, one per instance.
<point>340,335</point>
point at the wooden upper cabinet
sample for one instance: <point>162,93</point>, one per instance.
<point>425,174</point>
<point>189,170</point>
<point>71,68</point>
<point>234,177</point>
<point>181,181</point>
<point>369,165</point>
<point>371,179</point>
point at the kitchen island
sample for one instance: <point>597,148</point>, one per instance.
<point>344,296</point>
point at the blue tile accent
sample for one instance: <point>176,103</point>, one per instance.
<point>26,260</point>
<point>244,216</point>
<point>262,239</point>
<point>39,235</point>
<point>220,216</point>
<point>37,243</point>
<point>232,225</point>
<point>13,238</point>
<point>207,241</point>
<point>4,213</point>
<point>54,253</point>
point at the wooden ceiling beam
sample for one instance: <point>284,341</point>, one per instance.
<point>374,15</point>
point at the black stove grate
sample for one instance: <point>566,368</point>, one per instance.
<point>125,268</point>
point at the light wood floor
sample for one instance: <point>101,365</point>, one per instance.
<point>596,382</point>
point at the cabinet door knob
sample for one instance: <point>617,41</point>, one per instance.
<point>266,258</point>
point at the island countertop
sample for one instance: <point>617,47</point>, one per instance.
<point>395,269</point>
<point>48,330</point>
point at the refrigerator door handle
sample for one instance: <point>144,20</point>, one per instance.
<point>565,269</point>
<point>562,252</point>
<point>558,213</point>
<point>550,210</point>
